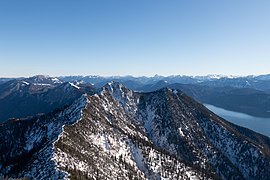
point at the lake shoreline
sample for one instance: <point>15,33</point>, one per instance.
<point>258,124</point>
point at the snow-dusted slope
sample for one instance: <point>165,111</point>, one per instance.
<point>196,135</point>
<point>121,134</point>
<point>110,143</point>
<point>177,124</point>
<point>27,144</point>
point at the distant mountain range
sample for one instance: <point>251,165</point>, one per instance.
<point>252,81</point>
<point>38,94</point>
<point>42,94</point>
<point>255,82</point>
<point>117,133</point>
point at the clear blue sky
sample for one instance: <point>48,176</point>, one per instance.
<point>134,37</point>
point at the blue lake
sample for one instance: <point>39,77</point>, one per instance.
<point>258,124</point>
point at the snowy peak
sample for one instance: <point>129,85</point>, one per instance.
<point>39,94</point>
<point>35,84</point>
<point>43,80</point>
<point>113,86</point>
<point>118,91</point>
<point>124,96</point>
<point>216,77</point>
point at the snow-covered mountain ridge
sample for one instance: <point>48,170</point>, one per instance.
<point>121,134</point>
<point>38,94</point>
<point>27,144</point>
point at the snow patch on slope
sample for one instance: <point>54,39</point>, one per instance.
<point>73,85</point>
<point>104,142</point>
<point>25,82</point>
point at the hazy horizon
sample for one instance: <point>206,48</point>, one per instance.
<point>135,75</point>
